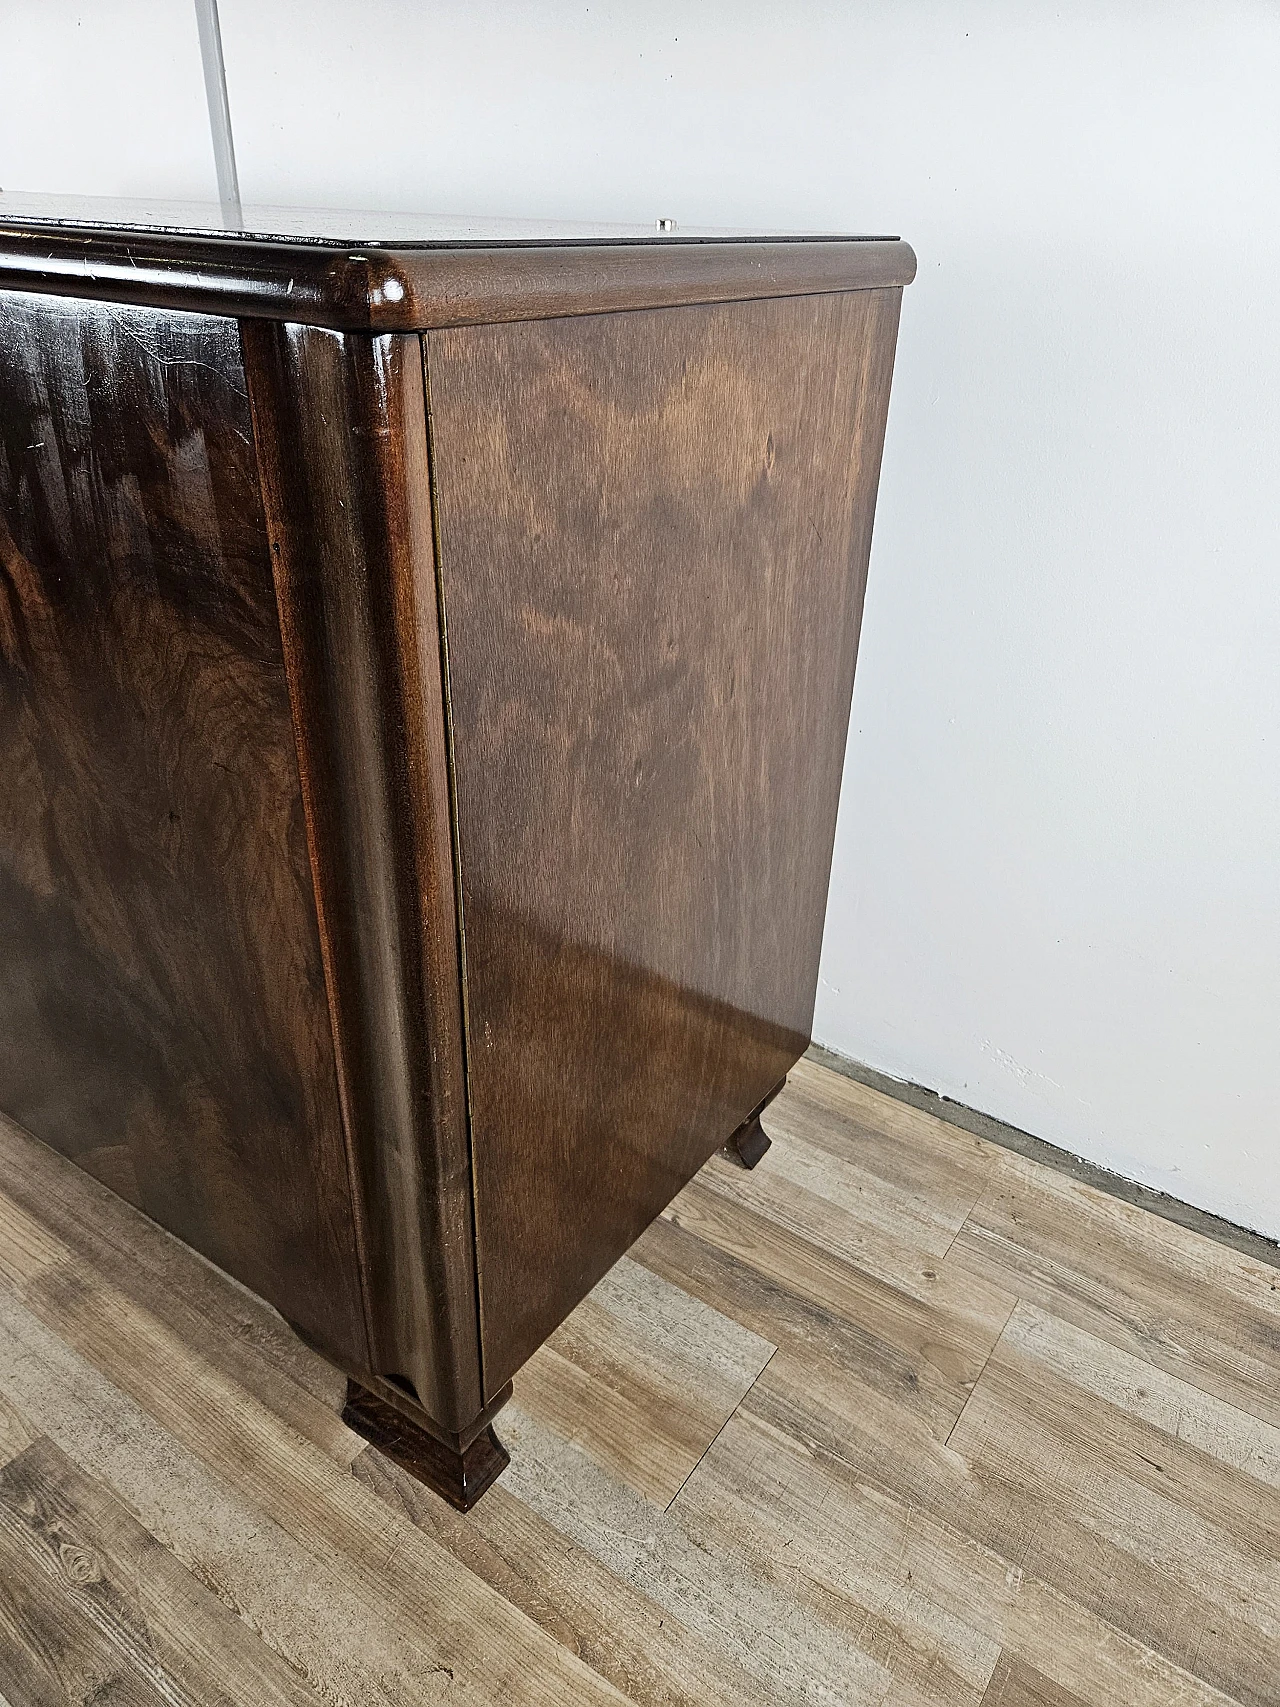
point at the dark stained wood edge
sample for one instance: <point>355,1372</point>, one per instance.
<point>460,1477</point>
<point>479,286</point>
<point>340,426</point>
<point>404,290</point>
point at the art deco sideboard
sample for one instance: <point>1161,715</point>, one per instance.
<point>425,665</point>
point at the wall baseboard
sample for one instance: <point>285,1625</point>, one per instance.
<point>1241,1239</point>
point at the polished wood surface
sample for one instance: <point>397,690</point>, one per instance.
<point>341,432</point>
<point>426,746</point>
<point>163,1017</point>
<point>900,1418</point>
<point>653,541</point>
<point>391,281</point>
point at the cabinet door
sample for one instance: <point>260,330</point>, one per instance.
<point>653,532</point>
<point>163,1018</point>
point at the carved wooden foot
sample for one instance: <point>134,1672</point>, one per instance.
<point>751,1140</point>
<point>459,1477</point>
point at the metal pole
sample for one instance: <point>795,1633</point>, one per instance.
<point>215,88</point>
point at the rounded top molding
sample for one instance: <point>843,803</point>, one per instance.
<point>422,275</point>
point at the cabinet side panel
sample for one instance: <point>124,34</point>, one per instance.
<point>340,424</point>
<point>653,539</point>
<point>163,1018</point>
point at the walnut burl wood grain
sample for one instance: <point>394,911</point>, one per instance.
<point>341,432</point>
<point>162,1004</point>
<point>653,540</point>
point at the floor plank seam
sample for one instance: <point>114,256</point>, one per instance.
<point>972,1210</point>
<point>989,1127</point>
<point>724,1425</point>
<point>839,1546</point>
<point>995,1345</point>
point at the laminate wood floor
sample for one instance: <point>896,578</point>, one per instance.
<point>899,1418</point>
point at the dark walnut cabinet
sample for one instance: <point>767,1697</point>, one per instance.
<point>425,665</point>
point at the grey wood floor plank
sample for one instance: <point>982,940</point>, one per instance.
<point>643,1377</point>
<point>107,1575</point>
<point>898,1420</point>
<point>249,1340</point>
<point>793,1654</point>
<point>1017,1685</point>
<point>925,1352</point>
<point>863,1512</point>
<point>1180,1301</point>
<point>51,1655</point>
<point>647,1650</point>
<point>427,1618</point>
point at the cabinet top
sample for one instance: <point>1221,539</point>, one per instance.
<point>406,272</point>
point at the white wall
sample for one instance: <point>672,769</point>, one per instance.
<point>104,99</point>
<point>1056,893</point>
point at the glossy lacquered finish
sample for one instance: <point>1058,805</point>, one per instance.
<point>421,755</point>
<point>163,1017</point>
<point>340,425</point>
<point>420,274</point>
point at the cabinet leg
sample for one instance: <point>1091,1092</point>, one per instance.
<point>751,1140</point>
<point>459,1477</point>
